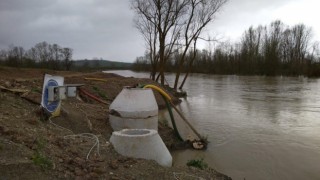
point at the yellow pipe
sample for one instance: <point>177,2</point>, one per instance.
<point>96,79</point>
<point>166,95</point>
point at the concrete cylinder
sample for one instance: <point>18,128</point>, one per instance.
<point>134,108</point>
<point>141,143</point>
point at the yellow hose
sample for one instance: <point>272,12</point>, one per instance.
<point>166,95</point>
<point>96,79</point>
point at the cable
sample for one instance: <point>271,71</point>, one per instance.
<point>86,135</point>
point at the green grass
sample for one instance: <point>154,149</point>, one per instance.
<point>39,158</point>
<point>198,163</point>
<point>36,90</point>
<point>100,93</point>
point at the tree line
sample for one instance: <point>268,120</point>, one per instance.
<point>42,55</point>
<point>275,49</point>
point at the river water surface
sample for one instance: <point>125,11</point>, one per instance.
<point>259,128</point>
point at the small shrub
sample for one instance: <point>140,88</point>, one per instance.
<point>42,161</point>
<point>198,163</point>
<point>100,93</point>
<point>39,158</point>
<point>95,88</point>
<point>36,90</point>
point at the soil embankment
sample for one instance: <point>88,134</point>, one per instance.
<point>34,148</point>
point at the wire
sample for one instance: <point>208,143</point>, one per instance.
<point>87,135</point>
<point>50,121</point>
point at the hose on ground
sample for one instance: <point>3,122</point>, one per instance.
<point>92,96</point>
<point>197,144</point>
<point>166,98</point>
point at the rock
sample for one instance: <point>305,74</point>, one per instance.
<point>60,160</point>
<point>79,161</point>
<point>94,175</point>
<point>73,151</point>
<point>79,178</point>
<point>88,176</point>
<point>99,159</point>
<point>113,164</point>
<point>70,161</point>
<point>7,84</point>
<point>67,174</point>
<point>60,169</point>
<point>115,177</point>
<point>78,172</point>
<point>32,121</point>
<point>99,170</point>
<point>5,131</point>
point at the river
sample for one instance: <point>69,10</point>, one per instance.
<point>259,128</point>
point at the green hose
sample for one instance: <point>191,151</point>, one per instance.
<point>175,129</point>
<point>165,98</point>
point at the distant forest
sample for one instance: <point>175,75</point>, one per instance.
<point>42,55</point>
<point>53,56</point>
<point>276,49</point>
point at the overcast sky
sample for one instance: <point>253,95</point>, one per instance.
<point>104,28</point>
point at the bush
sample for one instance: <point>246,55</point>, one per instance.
<point>198,163</point>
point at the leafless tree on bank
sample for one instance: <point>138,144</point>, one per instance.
<point>172,25</point>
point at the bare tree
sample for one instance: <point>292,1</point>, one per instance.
<point>198,14</point>
<point>150,33</point>
<point>160,18</point>
<point>55,56</point>
<point>67,57</point>
<point>172,25</point>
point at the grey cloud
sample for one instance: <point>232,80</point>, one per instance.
<point>104,28</point>
<point>93,28</point>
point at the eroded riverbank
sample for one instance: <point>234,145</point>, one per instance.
<point>35,149</point>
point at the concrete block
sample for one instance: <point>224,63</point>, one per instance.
<point>135,103</point>
<point>134,108</point>
<point>141,143</point>
<point>118,123</point>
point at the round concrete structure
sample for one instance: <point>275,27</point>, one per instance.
<point>141,143</point>
<point>134,108</point>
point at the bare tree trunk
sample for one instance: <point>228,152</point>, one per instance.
<point>184,80</point>
<point>190,64</point>
<point>176,81</point>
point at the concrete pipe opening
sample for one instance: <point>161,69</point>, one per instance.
<point>141,143</point>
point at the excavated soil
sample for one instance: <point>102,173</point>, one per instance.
<point>74,145</point>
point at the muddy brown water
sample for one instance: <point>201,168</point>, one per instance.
<point>258,127</point>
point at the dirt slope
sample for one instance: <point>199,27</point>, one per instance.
<point>34,148</point>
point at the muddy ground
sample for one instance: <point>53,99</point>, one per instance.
<point>34,147</point>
